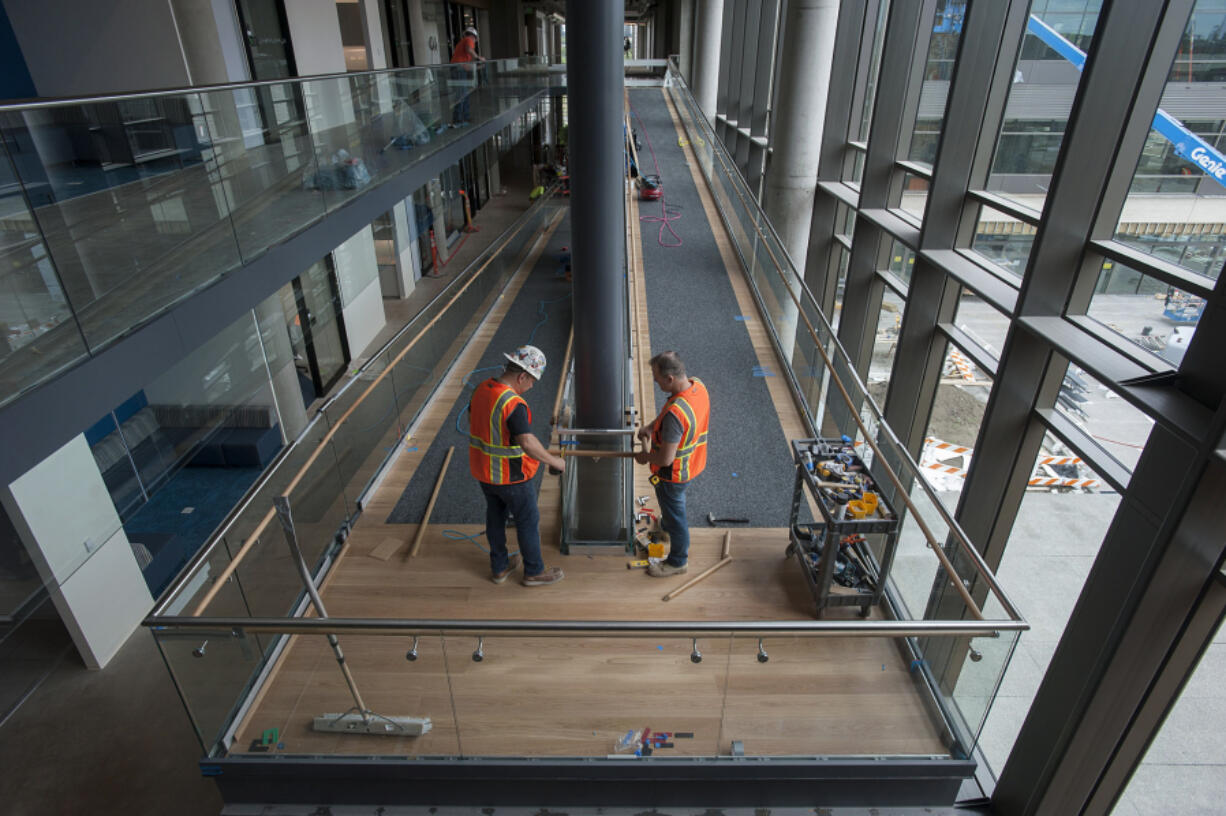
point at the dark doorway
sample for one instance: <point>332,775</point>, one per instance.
<point>316,327</point>
<point>266,37</point>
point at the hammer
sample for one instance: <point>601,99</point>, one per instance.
<point>712,520</point>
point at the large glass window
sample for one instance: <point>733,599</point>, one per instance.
<point>938,70</point>
<point>843,259</point>
<point>1117,426</point>
<point>1040,98</point>
<point>1146,311</point>
<point>1182,769</point>
<point>1054,541</point>
<point>1175,204</point>
<point>885,344</point>
<point>1003,240</point>
<point>953,426</point>
<point>875,29</point>
<point>902,262</point>
<point>982,322</point>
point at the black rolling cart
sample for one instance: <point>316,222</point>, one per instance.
<point>835,549</point>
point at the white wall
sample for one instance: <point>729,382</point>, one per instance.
<point>357,275</point>
<point>211,40</point>
<point>64,516</point>
<point>315,32</point>
<point>376,54</point>
<point>75,48</point>
<point>426,17</point>
<point>408,260</point>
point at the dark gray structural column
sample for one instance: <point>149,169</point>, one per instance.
<point>707,42</point>
<point>598,248</point>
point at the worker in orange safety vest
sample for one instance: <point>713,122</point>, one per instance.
<point>503,455</point>
<point>678,453</point>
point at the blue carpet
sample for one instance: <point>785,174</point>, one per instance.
<point>694,312</point>
<point>174,536</point>
<point>460,500</point>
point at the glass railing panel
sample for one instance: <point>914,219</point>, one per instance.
<point>396,677</point>
<point>214,671</point>
<point>263,162</point>
<point>834,697</point>
<point>270,582</point>
<point>38,336</point>
<point>338,110</point>
<point>981,672</point>
<point>581,685</point>
<point>123,194</point>
<point>712,694</point>
<point>319,504</point>
<point>184,597</point>
<point>368,431</point>
<point>141,201</point>
<point>916,569</point>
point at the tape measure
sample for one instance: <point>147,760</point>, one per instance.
<point>636,564</point>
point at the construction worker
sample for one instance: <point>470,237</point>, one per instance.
<point>678,453</point>
<point>463,56</point>
<point>503,456</point>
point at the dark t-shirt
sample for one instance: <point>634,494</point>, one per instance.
<point>517,423</point>
<point>670,428</point>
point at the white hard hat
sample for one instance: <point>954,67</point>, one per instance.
<point>470,32</point>
<point>530,359</point>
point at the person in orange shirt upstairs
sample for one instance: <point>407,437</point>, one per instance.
<point>464,54</point>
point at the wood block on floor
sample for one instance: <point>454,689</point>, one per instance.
<point>386,549</point>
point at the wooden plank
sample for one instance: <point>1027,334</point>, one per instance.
<point>386,549</point>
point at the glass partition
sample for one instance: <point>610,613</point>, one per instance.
<point>694,694</point>
<point>116,209</point>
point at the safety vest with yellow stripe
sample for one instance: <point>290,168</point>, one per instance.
<point>493,456</point>
<point>692,408</point>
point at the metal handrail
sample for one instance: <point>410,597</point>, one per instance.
<point>964,542</point>
<point>61,101</point>
<point>596,628</point>
<point>461,280</point>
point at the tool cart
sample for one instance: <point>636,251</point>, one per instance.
<point>854,512</point>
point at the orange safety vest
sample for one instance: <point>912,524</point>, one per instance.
<point>460,54</point>
<point>692,408</point>
<point>493,457</point>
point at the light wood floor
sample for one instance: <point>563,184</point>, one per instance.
<point>575,696</point>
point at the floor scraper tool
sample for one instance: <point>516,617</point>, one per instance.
<point>359,719</point>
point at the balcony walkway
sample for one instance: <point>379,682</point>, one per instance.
<point>575,696</point>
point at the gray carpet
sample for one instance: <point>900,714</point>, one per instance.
<point>460,501</point>
<point>694,312</point>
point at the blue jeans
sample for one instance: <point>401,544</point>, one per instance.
<point>460,112</point>
<point>520,500</point>
<point>671,496</point>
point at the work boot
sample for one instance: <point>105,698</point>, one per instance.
<point>512,563</point>
<point>550,576</point>
<point>665,569</point>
